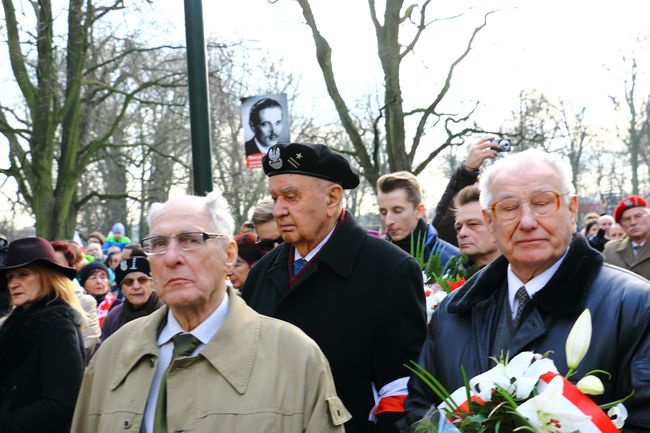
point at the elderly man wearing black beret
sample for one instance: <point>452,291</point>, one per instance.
<point>359,297</point>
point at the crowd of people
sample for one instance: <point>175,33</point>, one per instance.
<point>304,322</point>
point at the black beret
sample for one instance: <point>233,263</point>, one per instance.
<point>308,159</point>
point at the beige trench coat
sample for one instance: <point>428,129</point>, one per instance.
<point>257,374</point>
<point>620,253</point>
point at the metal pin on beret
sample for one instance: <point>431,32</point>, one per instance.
<point>308,159</point>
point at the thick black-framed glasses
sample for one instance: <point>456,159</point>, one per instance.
<point>542,204</point>
<point>187,241</point>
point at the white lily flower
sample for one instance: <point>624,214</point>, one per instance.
<point>547,413</point>
<point>577,343</point>
<point>618,415</point>
<point>484,384</point>
<point>590,385</point>
<point>524,371</point>
<point>456,398</point>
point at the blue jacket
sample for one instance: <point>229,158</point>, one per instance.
<point>444,248</point>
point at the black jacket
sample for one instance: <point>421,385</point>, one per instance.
<point>463,327</point>
<point>125,312</point>
<point>41,366</point>
<point>361,300</point>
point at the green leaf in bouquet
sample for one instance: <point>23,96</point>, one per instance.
<point>433,383</point>
<point>608,406</point>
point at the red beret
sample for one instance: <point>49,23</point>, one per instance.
<point>628,203</point>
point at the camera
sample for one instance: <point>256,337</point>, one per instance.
<point>503,143</point>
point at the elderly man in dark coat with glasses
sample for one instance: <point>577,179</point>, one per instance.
<point>360,297</point>
<point>529,298</point>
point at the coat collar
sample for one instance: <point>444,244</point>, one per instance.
<point>558,298</point>
<point>339,253</point>
<point>232,350</point>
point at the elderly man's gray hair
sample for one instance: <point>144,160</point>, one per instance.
<point>215,203</point>
<point>263,212</point>
<point>525,161</point>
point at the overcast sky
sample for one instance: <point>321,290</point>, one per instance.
<point>564,48</point>
<point>568,49</point>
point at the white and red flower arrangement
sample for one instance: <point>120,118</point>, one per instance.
<point>527,394</point>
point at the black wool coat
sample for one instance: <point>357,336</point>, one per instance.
<point>463,327</point>
<point>41,367</point>
<point>362,300</point>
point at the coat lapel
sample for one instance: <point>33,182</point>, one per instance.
<point>277,272</point>
<point>531,329</point>
<point>624,250</point>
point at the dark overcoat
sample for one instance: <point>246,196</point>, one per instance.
<point>41,367</point>
<point>463,327</point>
<point>361,300</point>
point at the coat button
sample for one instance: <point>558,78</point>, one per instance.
<point>126,424</point>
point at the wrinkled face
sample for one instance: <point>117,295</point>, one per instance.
<point>268,130</point>
<point>267,231</point>
<point>474,238</point>
<point>95,250</point>
<point>239,273</point>
<point>636,223</point>
<point>399,216</point>
<point>616,232</point>
<point>196,278</point>
<point>532,243</point>
<point>137,288</point>
<point>301,208</point>
<point>97,283</point>
<point>25,285</point>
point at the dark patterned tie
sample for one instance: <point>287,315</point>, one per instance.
<point>635,249</point>
<point>184,345</point>
<point>524,299</point>
<point>298,265</point>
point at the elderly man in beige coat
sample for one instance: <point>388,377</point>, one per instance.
<point>206,362</point>
<point>633,251</point>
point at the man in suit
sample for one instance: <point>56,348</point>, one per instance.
<point>631,252</point>
<point>359,297</point>
<point>266,121</point>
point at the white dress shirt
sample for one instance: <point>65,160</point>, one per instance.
<point>312,253</point>
<point>532,287</point>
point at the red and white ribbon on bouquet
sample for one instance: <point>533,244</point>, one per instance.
<point>581,404</point>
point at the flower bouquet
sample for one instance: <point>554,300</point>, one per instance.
<point>525,393</point>
<point>440,280</point>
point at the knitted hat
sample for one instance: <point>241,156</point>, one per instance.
<point>118,228</point>
<point>89,269</point>
<point>132,264</point>
<point>628,203</point>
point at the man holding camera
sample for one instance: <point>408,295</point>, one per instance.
<point>465,175</point>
